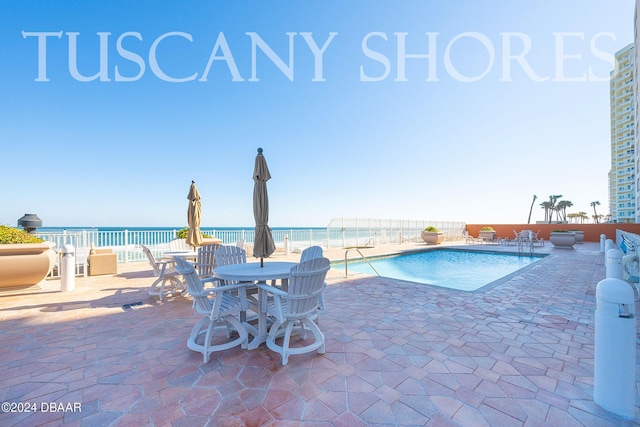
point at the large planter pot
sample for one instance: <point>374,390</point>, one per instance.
<point>25,264</point>
<point>579,235</point>
<point>432,237</point>
<point>563,239</point>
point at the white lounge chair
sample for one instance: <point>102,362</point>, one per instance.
<point>295,309</point>
<point>219,312</point>
<point>164,270</point>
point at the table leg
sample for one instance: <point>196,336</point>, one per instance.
<point>260,334</point>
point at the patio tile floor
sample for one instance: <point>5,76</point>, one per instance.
<point>515,353</point>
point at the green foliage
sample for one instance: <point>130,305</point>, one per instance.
<point>486,229</point>
<point>560,231</point>
<point>432,229</point>
<point>10,235</point>
<point>184,232</point>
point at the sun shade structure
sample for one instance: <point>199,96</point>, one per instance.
<point>263,241</point>
<point>194,238</point>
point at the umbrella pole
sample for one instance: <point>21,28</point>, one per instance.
<point>261,262</point>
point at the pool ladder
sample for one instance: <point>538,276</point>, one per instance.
<point>346,261</point>
<point>523,244</point>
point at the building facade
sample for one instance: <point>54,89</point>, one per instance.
<point>624,160</point>
<point>637,104</point>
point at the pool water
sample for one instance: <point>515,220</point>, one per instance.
<point>462,270</point>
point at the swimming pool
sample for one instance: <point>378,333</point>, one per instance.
<point>453,269</point>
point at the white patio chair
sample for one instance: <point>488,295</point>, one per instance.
<point>179,245</point>
<point>310,253</point>
<point>227,255</point>
<point>313,252</point>
<point>206,261</point>
<point>219,312</point>
<point>538,240</point>
<point>295,309</point>
<point>164,270</point>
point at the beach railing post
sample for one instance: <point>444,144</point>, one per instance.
<point>126,245</point>
<point>67,268</point>
<point>85,246</point>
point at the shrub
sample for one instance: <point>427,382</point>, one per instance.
<point>10,235</point>
<point>184,232</point>
<point>432,229</point>
<point>486,229</point>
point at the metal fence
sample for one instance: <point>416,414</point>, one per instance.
<point>346,232</point>
<point>341,232</point>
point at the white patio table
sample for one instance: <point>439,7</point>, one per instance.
<point>252,272</point>
<point>181,254</point>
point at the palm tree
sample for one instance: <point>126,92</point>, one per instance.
<point>549,207</point>
<point>561,208</point>
<point>582,216</point>
<point>531,208</point>
<point>595,214</point>
<point>546,206</point>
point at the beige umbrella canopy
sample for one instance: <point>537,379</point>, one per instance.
<point>263,245</point>
<point>194,238</point>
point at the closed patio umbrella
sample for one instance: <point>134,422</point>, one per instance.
<point>194,238</point>
<point>263,245</point>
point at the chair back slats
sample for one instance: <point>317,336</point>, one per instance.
<point>311,253</point>
<point>206,260</point>
<point>152,260</point>
<point>179,245</point>
<point>227,255</point>
<point>306,284</point>
<point>201,302</point>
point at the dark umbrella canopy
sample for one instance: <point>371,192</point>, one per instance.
<point>194,238</point>
<point>263,245</point>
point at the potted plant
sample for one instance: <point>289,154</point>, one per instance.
<point>432,236</point>
<point>25,260</point>
<point>562,238</point>
<point>487,234</point>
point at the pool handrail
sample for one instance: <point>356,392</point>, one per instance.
<point>346,261</point>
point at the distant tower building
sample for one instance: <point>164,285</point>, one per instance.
<point>636,106</point>
<point>622,177</point>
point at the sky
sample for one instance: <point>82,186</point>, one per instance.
<point>457,110</point>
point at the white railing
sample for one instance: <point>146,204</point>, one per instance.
<point>341,232</point>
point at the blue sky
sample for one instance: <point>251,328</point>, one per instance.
<point>470,133</point>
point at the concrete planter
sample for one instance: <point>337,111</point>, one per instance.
<point>579,235</point>
<point>432,237</point>
<point>563,239</point>
<point>25,264</point>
